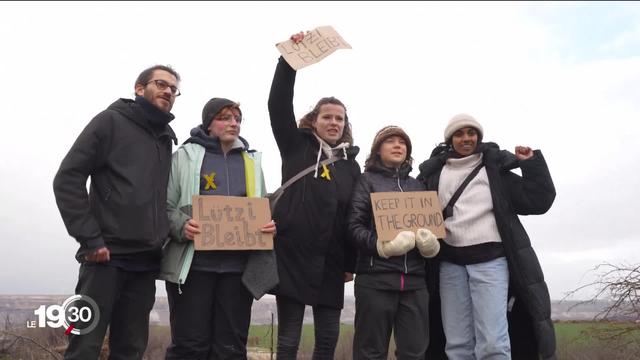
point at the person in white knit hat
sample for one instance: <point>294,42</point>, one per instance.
<point>390,285</point>
<point>489,288</point>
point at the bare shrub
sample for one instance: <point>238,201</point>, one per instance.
<point>620,285</point>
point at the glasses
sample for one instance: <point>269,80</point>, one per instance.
<point>163,85</point>
<point>229,117</point>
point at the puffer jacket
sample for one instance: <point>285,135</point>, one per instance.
<point>362,226</point>
<point>531,330</point>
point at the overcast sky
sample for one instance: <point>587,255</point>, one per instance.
<point>560,77</point>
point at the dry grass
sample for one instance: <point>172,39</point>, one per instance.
<point>47,343</point>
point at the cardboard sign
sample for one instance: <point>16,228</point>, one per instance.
<point>316,45</point>
<point>231,223</point>
<point>394,212</point>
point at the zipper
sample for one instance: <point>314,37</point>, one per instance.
<point>401,282</point>
<point>398,177</point>
<point>155,195</point>
<point>226,167</point>
<point>406,271</point>
<point>155,217</point>
<point>185,269</point>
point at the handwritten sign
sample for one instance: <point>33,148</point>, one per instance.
<point>316,45</point>
<point>394,212</point>
<point>231,223</point>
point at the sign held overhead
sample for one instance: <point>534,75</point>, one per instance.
<point>316,45</point>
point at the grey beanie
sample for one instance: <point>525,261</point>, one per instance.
<point>213,106</point>
<point>462,121</point>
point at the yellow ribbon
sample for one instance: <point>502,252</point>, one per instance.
<point>325,172</point>
<point>210,184</point>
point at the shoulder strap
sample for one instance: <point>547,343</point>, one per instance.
<point>448,210</point>
<point>303,173</point>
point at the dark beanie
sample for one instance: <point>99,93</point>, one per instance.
<point>387,132</point>
<point>213,106</point>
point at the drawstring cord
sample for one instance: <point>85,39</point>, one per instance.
<point>328,151</point>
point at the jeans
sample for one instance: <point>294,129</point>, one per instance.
<point>125,299</point>
<point>326,322</point>
<point>474,310</point>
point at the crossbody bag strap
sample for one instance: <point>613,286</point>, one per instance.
<point>303,173</point>
<point>448,210</point>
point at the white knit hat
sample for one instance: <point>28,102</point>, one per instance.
<point>462,121</point>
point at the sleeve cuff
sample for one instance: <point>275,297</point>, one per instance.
<point>93,244</point>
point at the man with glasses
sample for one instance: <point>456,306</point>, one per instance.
<point>121,222</point>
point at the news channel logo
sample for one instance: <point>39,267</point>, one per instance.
<point>78,315</point>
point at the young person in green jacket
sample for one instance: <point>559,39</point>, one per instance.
<point>209,304</point>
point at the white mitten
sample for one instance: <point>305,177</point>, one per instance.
<point>403,242</point>
<point>427,243</point>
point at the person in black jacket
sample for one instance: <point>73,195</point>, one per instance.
<point>492,295</point>
<point>390,287</point>
<point>313,254</point>
<point>121,223</point>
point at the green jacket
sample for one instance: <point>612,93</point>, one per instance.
<point>260,274</point>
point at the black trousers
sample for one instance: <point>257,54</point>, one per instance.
<point>378,312</point>
<point>210,319</point>
<point>125,299</point>
<point>326,325</point>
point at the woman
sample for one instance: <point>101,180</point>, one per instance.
<point>311,244</point>
<point>210,307</point>
<point>390,286</point>
<point>488,273</point>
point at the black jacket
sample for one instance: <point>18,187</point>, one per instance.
<point>513,195</point>
<point>128,161</point>
<point>311,243</point>
<point>362,226</point>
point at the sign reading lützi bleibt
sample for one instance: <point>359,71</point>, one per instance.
<point>316,45</point>
<point>231,223</point>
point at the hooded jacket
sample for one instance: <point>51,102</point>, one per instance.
<point>312,246</point>
<point>128,160</point>
<point>183,184</point>
<point>512,195</point>
<point>363,230</point>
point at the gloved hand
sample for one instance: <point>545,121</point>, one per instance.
<point>427,243</point>
<point>403,242</point>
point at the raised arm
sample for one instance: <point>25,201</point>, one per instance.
<point>283,120</point>
<point>534,192</point>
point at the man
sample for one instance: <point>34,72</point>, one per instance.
<point>121,223</point>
